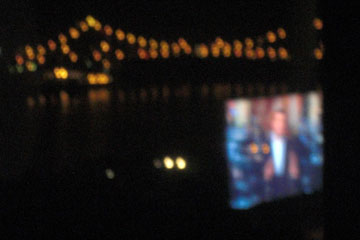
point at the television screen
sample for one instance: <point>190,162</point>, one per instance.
<point>274,147</point>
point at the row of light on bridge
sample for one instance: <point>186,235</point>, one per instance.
<point>169,163</point>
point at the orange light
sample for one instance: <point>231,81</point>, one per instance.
<point>41,59</point>
<point>73,57</point>
<point>142,53</point>
<point>219,42</point>
<point>249,43</point>
<point>260,53</point>
<point>74,33</point>
<point>83,26</point>
<point>131,38</point>
<point>106,64</point>
<point>271,53</point>
<point>105,47</point>
<point>97,25</point>
<point>188,50</point>
<point>182,42</point>
<point>62,38</point>
<point>164,53</point>
<point>65,49</point>
<point>237,53</point>
<point>227,50</point>
<point>271,37</point>
<point>19,59</point>
<point>254,149</point>
<point>282,52</point>
<point>41,49</point>
<point>91,78</point>
<point>119,54</point>
<point>318,54</point>
<point>266,148</point>
<point>29,52</point>
<point>281,33</point>
<point>175,49</point>
<point>153,53</point>
<point>202,51</point>
<point>142,41</point>
<point>250,53</point>
<point>215,50</point>
<point>164,45</point>
<point>61,73</point>
<point>153,44</point>
<point>237,45</point>
<point>52,45</point>
<point>108,30</point>
<point>96,55</point>
<point>120,35</point>
<point>318,24</point>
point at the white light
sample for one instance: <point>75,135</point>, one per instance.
<point>180,163</point>
<point>157,163</point>
<point>168,162</point>
<point>109,173</point>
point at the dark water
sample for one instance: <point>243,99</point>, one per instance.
<point>55,182</point>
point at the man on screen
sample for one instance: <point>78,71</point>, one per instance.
<point>281,170</point>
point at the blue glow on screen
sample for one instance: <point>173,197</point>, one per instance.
<point>253,125</point>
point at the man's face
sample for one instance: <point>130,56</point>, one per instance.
<point>279,123</point>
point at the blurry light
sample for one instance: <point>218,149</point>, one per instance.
<point>237,45</point>
<point>180,163</point>
<point>254,148</point>
<point>283,54</point>
<point>318,54</point>
<point>202,51</point>
<point>142,53</point>
<point>187,50</point>
<point>64,99</point>
<point>249,43</point>
<point>318,24</point>
<point>153,53</point>
<point>142,41</point>
<point>60,73</point>
<point>19,59</point>
<point>30,102</point>
<point>74,33</point>
<point>90,20</point>
<point>29,52</point>
<point>65,49</point>
<point>83,26</point>
<point>121,95</point>
<point>41,49</point>
<point>52,45</point>
<point>106,63</point>
<point>102,78</point>
<point>91,78</point>
<point>237,53</point>
<point>165,92</point>
<point>105,47</point>
<point>120,35</point>
<point>219,42</point>
<point>97,25</point>
<point>41,59</point>
<point>119,54</point>
<point>157,163</point>
<point>31,66</point>
<point>96,55</point>
<point>19,68</point>
<point>164,45</point>
<point>250,53</point>
<point>168,162</point>
<point>182,42</point>
<point>110,174</point>
<point>164,53</point>
<point>62,38</point>
<point>175,49</point>
<point>265,148</point>
<point>73,57</point>
<point>108,30</point>
<point>271,37</point>
<point>215,50</point>
<point>131,38</point>
<point>271,53</point>
<point>260,41</point>
<point>227,50</point>
<point>260,53</point>
<point>42,100</point>
<point>281,33</point>
<point>153,44</point>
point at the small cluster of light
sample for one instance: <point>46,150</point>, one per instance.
<point>61,73</point>
<point>169,163</point>
<point>31,66</point>
<point>29,52</point>
<point>74,33</point>
<point>98,78</point>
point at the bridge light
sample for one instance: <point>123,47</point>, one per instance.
<point>130,38</point>
<point>168,162</point>
<point>249,43</point>
<point>65,49</point>
<point>260,53</point>
<point>142,41</point>
<point>227,50</point>
<point>318,24</point>
<point>153,44</point>
<point>318,54</point>
<point>271,53</point>
<point>73,57</point>
<point>215,50</point>
<point>250,53</point>
<point>153,53</point>
<point>180,163</point>
<point>41,49</point>
<point>219,42</point>
<point>62,38</point>
<point>97,25</point>
<point>282,52</point>
<point>175,49</point>
<point>74,33</point>
<point>90,20</point>
<point>105,47</point>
